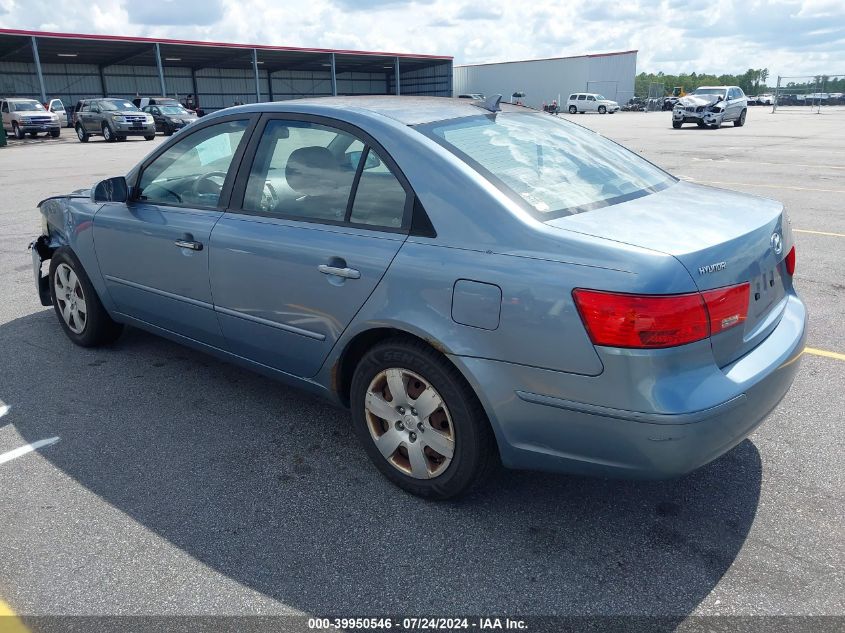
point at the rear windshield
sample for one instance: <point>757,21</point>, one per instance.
<point>26,106</point>
<point>118,105</point>
<point>550,166</point>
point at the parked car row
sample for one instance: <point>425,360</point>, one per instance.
<point>112,118</point>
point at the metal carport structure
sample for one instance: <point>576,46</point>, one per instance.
<point>71,66</point>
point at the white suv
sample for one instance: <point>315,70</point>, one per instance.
<point>590,102</point>
<point>27,116</point>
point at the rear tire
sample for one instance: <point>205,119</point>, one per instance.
<point>81,134</point>
<point>741,120</point>
<point>78,308</point>
<point>405,444</point>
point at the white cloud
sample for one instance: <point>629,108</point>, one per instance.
<point>729,36</point>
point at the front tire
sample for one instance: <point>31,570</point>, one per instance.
<point>741,120</point>
<point>55,133</point>
<point>167,130</point>
<point>149,137</point>
<point>677,124</point>
<point>420,422</point>
<point>602,110</point>
<point>81,315</point>
<point>19,133</point>
<point>108,134</point>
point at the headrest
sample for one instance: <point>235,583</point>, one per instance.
<point>314,171</point>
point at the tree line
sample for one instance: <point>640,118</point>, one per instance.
<point>752,81</point>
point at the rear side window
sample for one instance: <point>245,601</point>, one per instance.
<point>296,174</point>
<point>548,165</point>
<point>582,97</point>
<point>379,198</point>
<point>312,171</point>
<point>572,97</point>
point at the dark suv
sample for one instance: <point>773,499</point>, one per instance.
<point>114,119</point>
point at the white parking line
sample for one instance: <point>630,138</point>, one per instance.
<point>23,450</point>
<point>4,409</point>
<point>756,162</point>
<point>753,184</point>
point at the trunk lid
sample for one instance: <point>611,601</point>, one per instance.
<point>722,238</point>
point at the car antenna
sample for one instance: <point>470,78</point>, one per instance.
<point>491,103</point>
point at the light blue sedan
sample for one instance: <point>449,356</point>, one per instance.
<point>478,282</point>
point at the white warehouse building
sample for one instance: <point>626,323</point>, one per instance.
<point>543,80</point>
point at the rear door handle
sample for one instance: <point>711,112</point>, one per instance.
<point>346,273</point>
<point>194,246</point>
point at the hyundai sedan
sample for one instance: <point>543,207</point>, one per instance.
<point>477,282</point>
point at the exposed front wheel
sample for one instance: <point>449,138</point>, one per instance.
<point>741,120</point>
<point>602,110</point>
<point>77,305</point>
<point>55,133</point>
<point>420,422</point>
<point>149,137</point>
<point>677,124</point>
<point>108,134</point>
<point>19,133</point>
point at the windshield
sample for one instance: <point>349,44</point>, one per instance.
<point>170,109</point>
<point>601,98</point>
<point>118,105</point>
<point>26,106</point>
<point>710,91</point>
<point>550,166</point>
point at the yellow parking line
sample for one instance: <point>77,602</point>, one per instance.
<point>819,232</point>
<point>9,622</point>
<point>824,352</point>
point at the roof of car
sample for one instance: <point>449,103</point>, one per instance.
<point>408,110</point>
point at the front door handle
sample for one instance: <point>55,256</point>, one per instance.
<point>346,273</point>
<point>194,246</point>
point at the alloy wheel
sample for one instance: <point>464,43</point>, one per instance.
<point>70,298</point>
<point>410,423</point>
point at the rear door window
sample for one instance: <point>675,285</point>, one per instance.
<point>379,198</point>
<point>582,97</point>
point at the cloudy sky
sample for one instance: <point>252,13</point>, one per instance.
<point>790,37</point>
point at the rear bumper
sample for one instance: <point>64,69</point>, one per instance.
<point>698,413</point>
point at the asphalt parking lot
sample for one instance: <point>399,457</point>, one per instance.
<point>183,485</point>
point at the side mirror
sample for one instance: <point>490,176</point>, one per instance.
<point>111,190</point>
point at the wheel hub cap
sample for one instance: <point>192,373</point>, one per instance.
<point>410,424</point>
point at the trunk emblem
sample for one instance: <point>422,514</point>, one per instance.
<point>777,243</point>
<point>712,268</point>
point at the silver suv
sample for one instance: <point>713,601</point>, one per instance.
<point>27,116</point>
<point>114,119</point>
<point>710,106</point>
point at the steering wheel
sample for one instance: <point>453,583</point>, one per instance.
<point>269,198</point>
<point>204,185</point>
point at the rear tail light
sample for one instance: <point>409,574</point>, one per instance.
<point>790,262</point>
<point>655,321</point>
<point>727,307</point>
